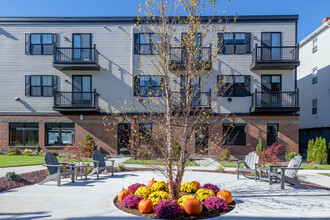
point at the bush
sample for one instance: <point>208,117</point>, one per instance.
<point>156,197</point>
<point>143,191</point>
<point>220,169</point>
<point>260,147</point>
<point>14,151</point>
<point>317,151</point>
<point>38,148</point>
<point>215,203</point>
<point>54,153</point>
<point>269,155</point>
<point>88,146</point>
<point>188,187</point>
<point>168,209</point>
<point>28,152</point>
<point>159,186</point>
<point>203,194</point>
<point>290,156</point>
<point>182,199</point>
<point>121,167</point>
<point>37,153</point>
<point>225,155</point>
<point>212,187</point>
<point>13,176</point>
<point>131,201</point>
<point>135,186</point>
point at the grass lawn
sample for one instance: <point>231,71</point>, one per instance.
<point>155,162</point>
<point>325,174</point>
<point>15,161</point>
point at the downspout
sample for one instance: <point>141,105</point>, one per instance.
<point>132,94</point>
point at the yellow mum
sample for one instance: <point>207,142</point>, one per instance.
<point>188,187</point>
<point>156,197</point>
<point>182,199</point>
<point>203,194</point>
<point>143,191</point>
<point>159,186</point>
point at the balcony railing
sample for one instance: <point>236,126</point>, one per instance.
<point>76,101</point>
<point>275,101</point>
<point>200,100</point>
<point>284,57</point>
<point>76,58</point>
<point>202,58</point>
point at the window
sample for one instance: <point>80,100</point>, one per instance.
<point>39,44</point>
<point>314,79</point>
<point>148,86</point>
<point>145,131</point>
<point>314,106</point>
<point>40,85</point>
<point>272,134</point>
<point>59,134</point>
<point>234,43</point>
<point>314,46</point>
<point>234,86</point>
<point>146,44</point>
<point>234,134</point>
<point>23,134</point>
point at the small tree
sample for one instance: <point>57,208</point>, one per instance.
<point>260,147</point>
<point>310,150</point>
<point>88,146</point>
<point>270,155</point>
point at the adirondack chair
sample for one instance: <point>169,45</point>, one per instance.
<point>250,165</point>
<point>99,164</point>
<point>54,168</point>
<point>288,173</point>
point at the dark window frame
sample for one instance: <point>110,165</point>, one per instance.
<point>230,88</point>
<point>314,107</point>
<point>60,127</point>
<point>144,134</point>
<point>272,138</point>
<point>42,86</point>
<point>230,138</point>
<point>41,44</point>
<point>221,43</point>
<point>137,86</point>
<point>24,128</point>
<point>151,44</point>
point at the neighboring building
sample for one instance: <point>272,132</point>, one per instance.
<point>314,85</point>
<point>58,75</point>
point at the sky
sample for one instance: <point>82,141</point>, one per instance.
<point>311,12</point>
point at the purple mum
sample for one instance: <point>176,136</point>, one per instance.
<point>212,187</point>
<point>215,203</point>
<point>135,186</point>
<point>131,201</point>
<point>168,209</point>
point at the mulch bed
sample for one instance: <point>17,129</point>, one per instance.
<point>184,215</point>
<point>27,179</point>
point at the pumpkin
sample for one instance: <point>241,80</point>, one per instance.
<point>145,206</point>
<point>151,182</point>
<point>197,184</point>
<point>226,195</point>
<point>193,206</point>
<point>122,194</point>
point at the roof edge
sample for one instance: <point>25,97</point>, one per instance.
<point>314,33</point>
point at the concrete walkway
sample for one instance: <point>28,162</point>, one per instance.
<point>92,198</point>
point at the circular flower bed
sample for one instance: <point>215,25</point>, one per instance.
<point>157,203</point>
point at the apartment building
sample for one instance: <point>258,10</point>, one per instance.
<point>58,75</point>
<point>313,84</point>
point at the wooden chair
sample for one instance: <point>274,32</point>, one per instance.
<point>99,164</point>
<point>54,169</point>
<point>250,165</point>
<point>288,173</point>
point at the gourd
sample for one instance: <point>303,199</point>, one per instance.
<point>193,206</point>
<point>197,184</point>
<point>151,182</point>
<point>145,206</point>
<point>122,194</point>
<point>226,195</point>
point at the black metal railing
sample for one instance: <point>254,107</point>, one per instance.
<point>76,55</point>
<point>275,99</point>
<point>180,54</point>
<point>199,100</point>
<point>275,54</point>
<point>76,99</point>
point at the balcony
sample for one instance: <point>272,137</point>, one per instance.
<point>275,58</point>
<point>76,102</point>
<point>68,58</point>
<point>201,101</point>
<point>280,102</point>
<point>178,58</point>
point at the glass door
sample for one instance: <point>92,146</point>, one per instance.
<point>271,90</point>
<point>124,135</point>
<point>271,46</point>
<point>82,90</point>
<point>202,139</point>
<point>82,47</point>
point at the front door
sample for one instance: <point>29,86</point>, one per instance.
<point>271,90</point>
<point>82,90</point>
<point>82,44</point>
<point>271,46</point>
<point>202,139</point>
<point>124,135</point>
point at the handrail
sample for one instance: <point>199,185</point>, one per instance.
<point>72,55</point>
<point>76,99</point>
<point>275,99</point>
<point>275,54</point>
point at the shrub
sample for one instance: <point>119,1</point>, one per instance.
<point>36,152</point>
<point>158,196</point>
<point>14,151</point>
<point>13,176</point>
<point>38,148</point>
<point>143,191</point>
<point>135,186</point>
<point>317,151</point>
<point>88,146</point>
<point>220,169</point>
<point>212,187</point>
<point>225,154</point>
<point>215,203</point>
<point>290,156</point>
<point>182,199</point>
<point>168,209</point>
<point>188,187</point>
<point>121,167</point>
<point>27,152</point>
<point>203,194</point>
<point>260,147</point>
<point>159,186</point>
<point>269,155</point>
<point>54,153</point>
<point>131,201</point>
